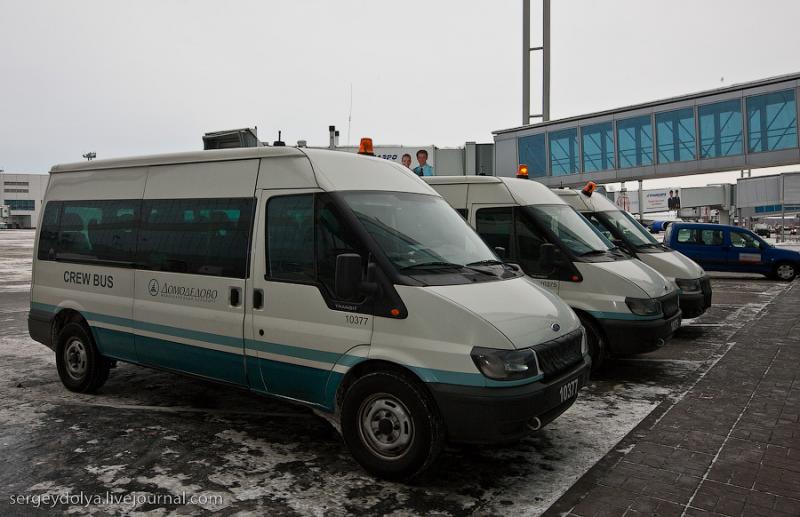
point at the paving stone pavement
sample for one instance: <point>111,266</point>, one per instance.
<point>730,445</point>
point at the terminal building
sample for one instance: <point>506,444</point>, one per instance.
<point>23,195</point>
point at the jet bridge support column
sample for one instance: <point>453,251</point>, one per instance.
<point>640,193</point>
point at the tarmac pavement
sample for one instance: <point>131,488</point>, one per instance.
<point>682,425</point>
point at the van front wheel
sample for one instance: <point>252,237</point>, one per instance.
<point>785,271</point>
<point>596,341</point>
<point>80,366</point>
<point>391,425</point>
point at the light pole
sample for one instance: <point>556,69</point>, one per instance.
<point>526,62</point>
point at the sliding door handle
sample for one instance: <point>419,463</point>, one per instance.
<point>235,296</point>
<point>258,298</point>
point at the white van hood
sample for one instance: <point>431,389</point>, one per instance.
<point>672,264</point>
<point>640,274</point>
<point>524,312</point>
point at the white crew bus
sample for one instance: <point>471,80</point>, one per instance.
<point>333,280</point>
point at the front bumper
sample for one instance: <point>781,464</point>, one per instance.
<point>695,304</point>
<point>485,415</point>
<point>627,337</point>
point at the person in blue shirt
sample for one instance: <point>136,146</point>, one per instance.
<point>423,169</point>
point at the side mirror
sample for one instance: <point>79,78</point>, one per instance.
<point>550,256</point>
<point>501,251</point>
<point>347,279</point>
<point>348,283</point>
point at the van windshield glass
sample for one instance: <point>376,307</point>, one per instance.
<point>571,228</point>
<point>419,231</point>
<point>625,227</point>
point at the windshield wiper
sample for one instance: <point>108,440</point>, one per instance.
<point>445,265</point>
<point>595,252</point>
<point>489,262</point>
<point>435,264</point>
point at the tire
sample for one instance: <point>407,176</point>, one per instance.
<point>785,271</point>
<point>80,366</point>
<point>388,403</point>
<point>596,341</point>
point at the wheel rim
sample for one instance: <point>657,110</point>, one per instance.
<point>385,426</point>
<point>785,271</point>
<point>75,358</point>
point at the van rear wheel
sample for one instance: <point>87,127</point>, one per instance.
<point>596,342</point>
<point>391,425</point>
<point>80,366</point>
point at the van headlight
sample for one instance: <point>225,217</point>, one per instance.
<point>505,365</point>
<point>688,285</point>
<point>644,306</point>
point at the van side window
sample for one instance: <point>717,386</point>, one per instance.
<point>334,237</point>
<point>196,236</point>
<point>529,242</point>
<point>98,231</point>
<point>495,226</point>
<point>711,237</point>
<point>700,237</point>
<point>48,233</point>
<point>743,240</point>
<point>290,238</point>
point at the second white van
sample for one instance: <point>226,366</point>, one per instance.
<point>626,306</point>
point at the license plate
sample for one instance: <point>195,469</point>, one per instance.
<point>568,390</point>
<point>675,324</point>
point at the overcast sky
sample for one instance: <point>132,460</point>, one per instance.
<point>127,78</point>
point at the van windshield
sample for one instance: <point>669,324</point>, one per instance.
<point>422,234</point>
<point>571,228</point>
<point>624,227</point>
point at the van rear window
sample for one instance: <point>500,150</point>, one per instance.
<point>89,231</point>
<point>196,236</point>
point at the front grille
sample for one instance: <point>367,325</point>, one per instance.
<point>560,354</point>
<point>669,304</point>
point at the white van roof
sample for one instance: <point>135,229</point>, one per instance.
<point>597,202</point>
<point>524,192</point>
<point>332,170</point>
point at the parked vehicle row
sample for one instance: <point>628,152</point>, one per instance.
<point>347,284</point>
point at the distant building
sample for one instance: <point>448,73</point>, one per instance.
<point>23,194</point>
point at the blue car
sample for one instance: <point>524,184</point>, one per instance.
<point>718,247</point>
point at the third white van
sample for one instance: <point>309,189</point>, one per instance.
<point>625,231</point>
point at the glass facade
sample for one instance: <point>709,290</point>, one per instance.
<point>720,129</point>
<point>563,152</point>
<point>635,142</point>
<point>532,153</point>
<point>675,136</point>
<point>598,147</point>
<point>20,204</point>
<point>771,122</point>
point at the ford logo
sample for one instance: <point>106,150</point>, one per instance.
<point>555,326</point>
